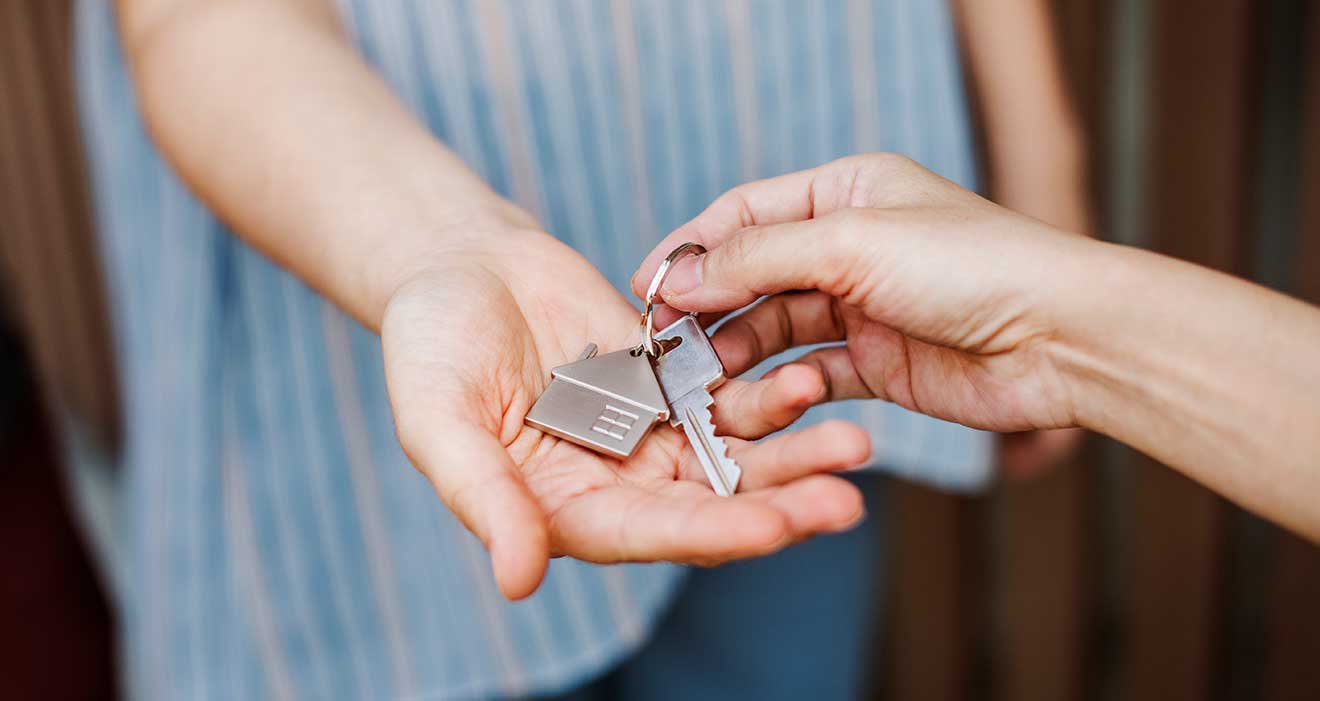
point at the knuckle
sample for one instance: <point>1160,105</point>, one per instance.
<point>878,161</point>
<point>847,254</point>
<point>888,162</point>
<point>884,179</point>
<point>735,201</point>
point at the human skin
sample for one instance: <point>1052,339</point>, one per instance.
<point>274,121</point>
<point>955,307</point>
<point>271,117</point>
<point>1035,154</point>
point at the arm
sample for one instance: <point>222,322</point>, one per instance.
<point>274,121</point>
<point>269,115</point>
<point>1044,329</point>
<point>1036,157</point>
<point>1207,373</point>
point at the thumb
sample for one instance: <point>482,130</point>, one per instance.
<point>765,260</point>
<point>475,477</point>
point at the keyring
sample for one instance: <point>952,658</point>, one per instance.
<point>647,331</point>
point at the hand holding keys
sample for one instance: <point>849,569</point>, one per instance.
<point>608,403</point>
<point>469,350</point>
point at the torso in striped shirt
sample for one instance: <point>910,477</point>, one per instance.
<point>265,534</point>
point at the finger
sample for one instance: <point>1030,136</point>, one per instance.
<point>778,323</point>
<point>829,446</point>
<point>779,199</point>
<point>792,197</point>
<point>680,522</point>
<point>827,253</point>
<point>835,366</point>
<point>666,315</point>
<point>817,504</point>
<point>753,409</point>
<point>868,180</point>
<point>475,477</point>
<point>686,522</point>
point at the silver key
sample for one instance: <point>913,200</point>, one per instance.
<point>607,403</point>
<point>688,372</point>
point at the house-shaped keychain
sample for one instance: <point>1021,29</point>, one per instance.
<point>608,403</point>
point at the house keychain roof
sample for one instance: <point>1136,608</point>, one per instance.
<point>618,374</point>
<point>607,403</point>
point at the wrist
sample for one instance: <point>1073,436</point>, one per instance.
<point>477,236</point>
<point>1096,311</point>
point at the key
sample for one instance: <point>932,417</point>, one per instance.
<point>608,403</point>
<point>688,372</point>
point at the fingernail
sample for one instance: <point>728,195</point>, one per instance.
<point>684,277</point>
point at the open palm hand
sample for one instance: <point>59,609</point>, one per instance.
<point>469,348</point>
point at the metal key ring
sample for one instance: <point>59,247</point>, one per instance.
<point>649,345</point>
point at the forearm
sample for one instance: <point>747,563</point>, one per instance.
<point>1207,373</point>
<point>275,122</point>
<point>1036,158</point>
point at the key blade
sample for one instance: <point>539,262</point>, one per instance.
<point>713,453</point>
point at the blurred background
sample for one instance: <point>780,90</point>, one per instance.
<point>1114,578</point>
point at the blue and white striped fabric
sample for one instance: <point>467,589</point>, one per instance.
<point>264,533</point>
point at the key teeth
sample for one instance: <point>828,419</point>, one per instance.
<point>724,472</point>
<point>723,451</point>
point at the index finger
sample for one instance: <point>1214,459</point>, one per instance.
<point>872,180</point>
<point>791,197</point>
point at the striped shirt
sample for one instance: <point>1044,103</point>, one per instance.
<point>263,532</point>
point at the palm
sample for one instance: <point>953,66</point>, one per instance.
<point>468,352</point>
<point>994,389</point>
<point>1006,386</point>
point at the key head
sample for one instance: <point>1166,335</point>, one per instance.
<point>691,366</point>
